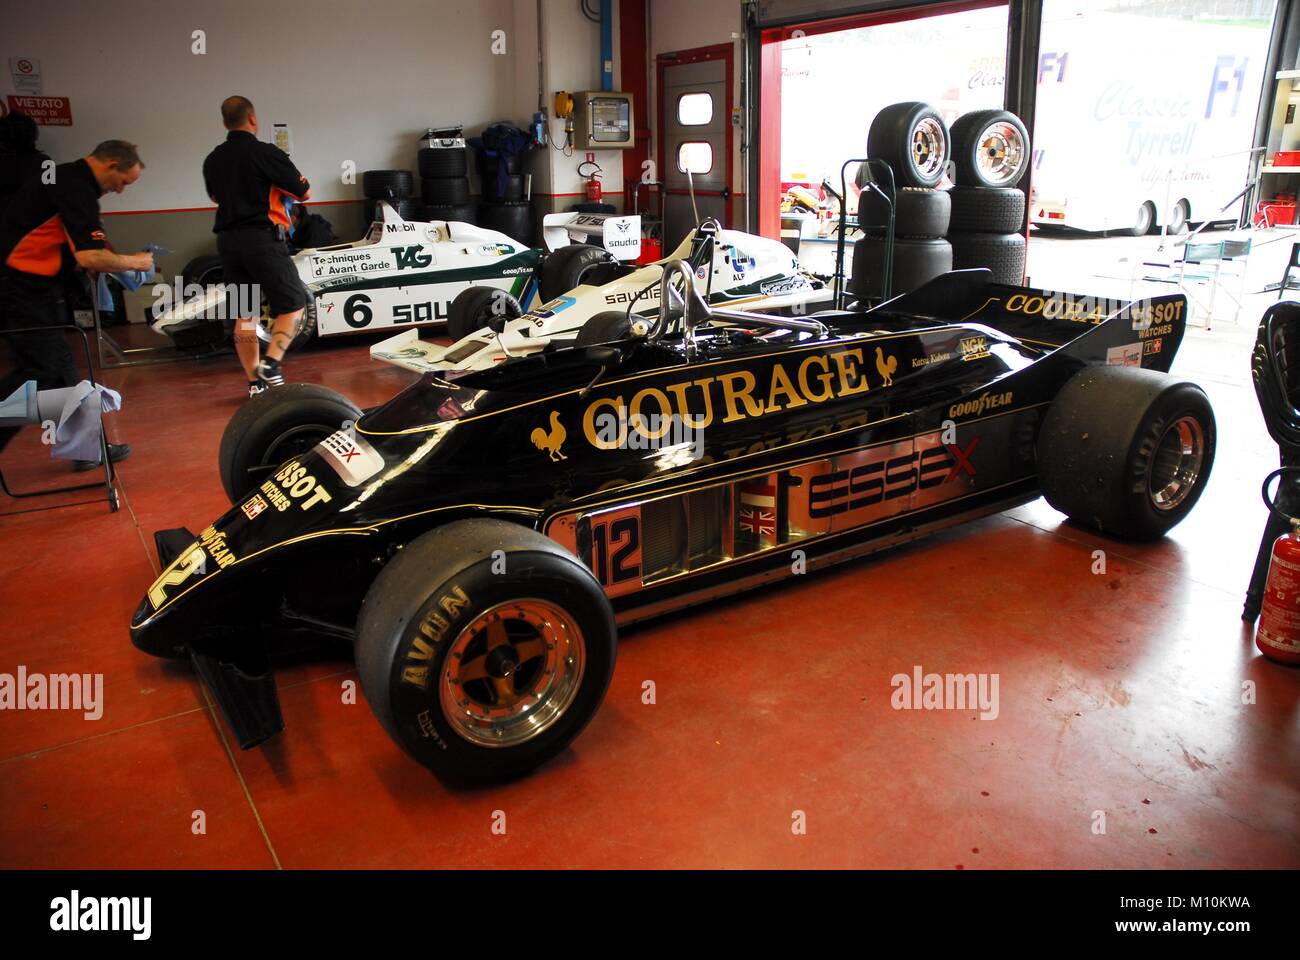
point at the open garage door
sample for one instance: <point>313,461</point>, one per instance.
<point>824,82</point>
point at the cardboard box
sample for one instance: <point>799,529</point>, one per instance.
<point>138,303</point>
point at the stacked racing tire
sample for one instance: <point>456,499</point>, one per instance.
<point>991,155</point>
<point>394,187</point>
<point>444,184</point>
<point>913,140</point>
<point>504,205</point>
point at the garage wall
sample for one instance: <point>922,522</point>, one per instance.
<point>682,25</point>
<point>355,82</point>
<point>571,44</point>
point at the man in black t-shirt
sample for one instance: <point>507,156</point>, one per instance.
<point>249,180</point>
<point>20,160</point>
<point>47,231</point>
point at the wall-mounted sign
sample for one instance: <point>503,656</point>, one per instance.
<point>26,74</point>
<point>282,137</point>
<point>47,111</point>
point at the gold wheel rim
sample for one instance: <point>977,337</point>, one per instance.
<point>512,673</point>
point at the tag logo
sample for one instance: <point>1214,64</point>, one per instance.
<point>411,258</point>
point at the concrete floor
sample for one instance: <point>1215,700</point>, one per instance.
<point>1121,695</point>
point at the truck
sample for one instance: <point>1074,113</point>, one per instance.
<point>1143,123</point>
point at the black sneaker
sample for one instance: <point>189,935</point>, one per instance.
<point>116,452</point>
<point>268,371</point>
<point>257,386</point>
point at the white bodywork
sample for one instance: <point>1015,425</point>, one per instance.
<point>400,274</point>
<point>753,273</point>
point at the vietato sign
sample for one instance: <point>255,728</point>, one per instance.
<point>47,111</point>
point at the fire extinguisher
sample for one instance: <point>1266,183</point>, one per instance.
<point>1278,634</point>
<point>593,180</point>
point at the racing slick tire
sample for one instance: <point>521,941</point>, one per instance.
<point>605,327</point>
<point>514,218</point>
<point>272,427</point>
<point>1126,450</point>
<point>920,213</point>
<point>455,212</point>
<point>916,261</point>
<point>373,209</point>
<point>987,210</point>
<point>444,191</point>
<point>913,139</point>
<point>484,648</point>
<point>565,269</point>
<point>1003,253</point>
<point>514,189</point>
<point>990,149</point>
<point>387,184</point>
<point>477,307</point>
<point>489,165</point>
<point>442,162</point>
<point>204,271</point>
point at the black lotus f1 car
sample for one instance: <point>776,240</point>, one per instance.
<point>478,540</point>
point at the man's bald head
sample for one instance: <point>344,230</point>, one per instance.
<point>236,111</point>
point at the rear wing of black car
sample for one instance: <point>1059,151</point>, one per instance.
<point>1145,332</point>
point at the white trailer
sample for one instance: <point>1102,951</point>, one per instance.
<point>1142,122</point>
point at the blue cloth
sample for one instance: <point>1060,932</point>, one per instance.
<point>79,424</point>
<point>129,279</point>
<point>501,141</point>
<point>19,408</point>
<point>76,412</point>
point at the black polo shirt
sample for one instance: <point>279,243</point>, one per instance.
<point>15,170</point>
<point>45,223</point>
<point>249,179</point>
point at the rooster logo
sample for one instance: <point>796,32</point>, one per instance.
<point>886,367</point>
<point>551,441</point>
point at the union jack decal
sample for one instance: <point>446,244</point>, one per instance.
<point>761,523</point>
<point>756,512</point>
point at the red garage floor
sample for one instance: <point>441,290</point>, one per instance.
<point>1120,694</point>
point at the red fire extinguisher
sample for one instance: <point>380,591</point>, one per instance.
<point>593,180</point>
<point>1278,634</point>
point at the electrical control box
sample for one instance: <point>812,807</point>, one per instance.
<point>603,120</point>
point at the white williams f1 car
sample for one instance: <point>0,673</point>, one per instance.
<point>400,274</point>
<point>589,297</point>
